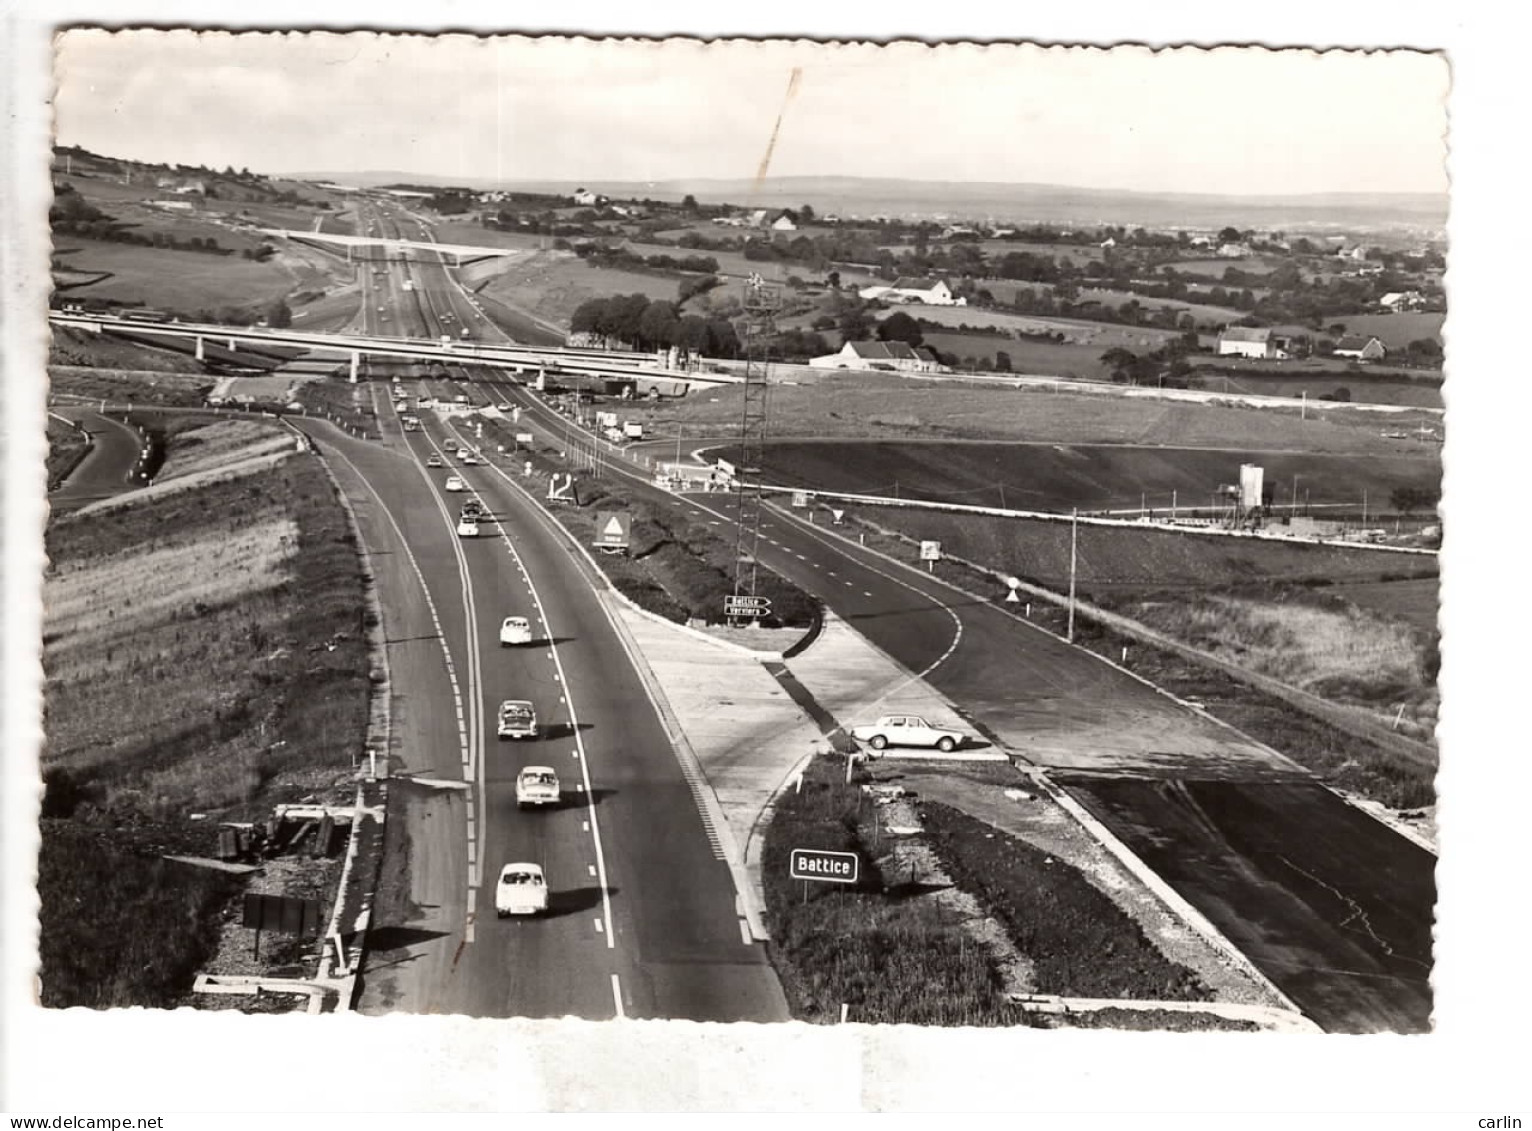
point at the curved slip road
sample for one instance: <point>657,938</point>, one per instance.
<point>104,471</point>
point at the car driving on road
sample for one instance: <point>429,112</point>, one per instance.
<point>433,460</point>
<point>467,527</point>
<point>472,509</point>
<point>455,483</point>
<point>907,730</point>
<point>522,890</point>
<point>517,719</point>
<point>515,630</point>
<point>537,785</point>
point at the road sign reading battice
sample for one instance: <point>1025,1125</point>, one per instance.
<point>930,551</point>
<point>744,605</point>
<point>817,864</point>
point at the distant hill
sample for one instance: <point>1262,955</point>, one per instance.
<point>995,201</point>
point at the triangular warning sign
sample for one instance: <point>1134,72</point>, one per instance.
<point>1011,597</point>
<point>613,528</point>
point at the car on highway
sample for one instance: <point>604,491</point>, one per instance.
<point>517,719</point>
<point>467,527</point>
<point>537,785</point>
<point>460,399</point>
<point>522,890</point>
<point>515,630</point>
<point>434,460</point>
<point>907,730</point>
<point>472,509</point>
<point>455,483</point>
<point>470,459</point>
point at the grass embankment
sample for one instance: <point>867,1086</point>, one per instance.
<point>130,386</point>
<point>676,566</point>
<point>203,653</point>
<point>1267,622</point>
<point>66,448</point>
<point>892,960</point>
<point>85,350</point>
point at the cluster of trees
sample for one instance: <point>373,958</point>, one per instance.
<point>638,322</point>
<point>1166,366</point>
<point>602,255</point>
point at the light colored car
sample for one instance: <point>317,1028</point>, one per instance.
<point>455,483</point>
<point>537,785</point>
<point>470,460</point>
<point>473,509</point>
<point>467,527</point>
<point>517,719</point>
<point>515,630</point>
<point>522,890</point>
<point>434,460</point>
<point>907,730</point>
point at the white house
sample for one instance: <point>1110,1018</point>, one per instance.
<point>1361,348</point>
<point>931,292</point>
<point>1398,301</point>
<point>784,223</point>
<point>1249,341</point>
<point>588,198</point>
<point>898,356</point>
<point>1232,251</point>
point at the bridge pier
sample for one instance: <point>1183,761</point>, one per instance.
<point>232,347</point>
<point>356,364</point>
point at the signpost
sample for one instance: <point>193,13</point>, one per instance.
<point>930,552</point>
<point>744,605</point>
<point>819,864</point>
<point>800,498</point>
<point>613,529</point>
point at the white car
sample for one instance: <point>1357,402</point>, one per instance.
<point>537,785</point>
<point>515,630</point>
<point>433,460</point>
<point>522,890</point>
<point>517,719</point>
<point>467,528</point>
<point>907,730</point>
<point>455,483</point>
<point>470,460</point>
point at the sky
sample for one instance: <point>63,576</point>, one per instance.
<point>1228,121</point>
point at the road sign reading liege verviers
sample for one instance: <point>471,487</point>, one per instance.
<point>819,864</point>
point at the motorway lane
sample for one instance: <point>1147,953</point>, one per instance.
<point>105,469</point>
<point>678,944</point>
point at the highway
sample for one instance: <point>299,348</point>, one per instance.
<point>1333,906</point>
<point>105,469</point>
<point>642,919</point>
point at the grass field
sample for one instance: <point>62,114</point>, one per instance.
<point>137,386</point>
<point>203,653</point>
<point>1202,312</point>
<point>550,285</point>
<point>73,348</point>
<point>183,281</point>
<point>1215,268</point>
<point>1368,386</point>
<point>1101,335</point>
<point>1051,359</point>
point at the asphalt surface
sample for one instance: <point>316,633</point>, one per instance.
<point>105,469</point>
<point>642,919</point>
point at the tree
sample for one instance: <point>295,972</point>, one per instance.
<point>900,327</point>
<point>806,214</point>
<point>855,324</point>
<point>832,280</point>
<point>278,315</point>
<point>1002,361</point>
<point>689,203</point>
<point>659,326</point>
<point>1229,235</point>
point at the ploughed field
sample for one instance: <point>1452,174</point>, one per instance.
<point>1058,477</point>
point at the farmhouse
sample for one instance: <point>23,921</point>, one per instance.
<point>1249,341</point>
<point>1362,348</point>
<point>932,292</point>
<point>898,356</point>
<point>784,223</point>
<point>1398,301</point>
<point>1233,251</point>
<point>588,198</point>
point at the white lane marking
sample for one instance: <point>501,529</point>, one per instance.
<point>591,868</point>
<point>617,996</point>
<point>585,826</point>
<point>866,592</point>
<point>600,930</point>
<point>744,933</point>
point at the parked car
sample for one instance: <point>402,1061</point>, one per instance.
<point>515,630</point>
<point>517,719</point>
<point>907,730</point>
<point>455,483</point>
<point>522,890</point>
<point>537,785</point>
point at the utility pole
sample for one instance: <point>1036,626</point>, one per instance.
<point>1294,507</point>
<point>761,304</point>
<point>1074,555</point>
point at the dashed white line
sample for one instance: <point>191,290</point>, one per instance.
<point>600,930</point>
<point>617,996</point>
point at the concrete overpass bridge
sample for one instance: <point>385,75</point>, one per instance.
<point>460,253</point>
<point>643,369</point>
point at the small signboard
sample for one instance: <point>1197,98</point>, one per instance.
<point>523,439</point>
<point>800,498</point>
<point>745,605</point>
<point>930,551</point>
<point>819,864</point>
<point>724,466</point>
<point>613,529</point>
